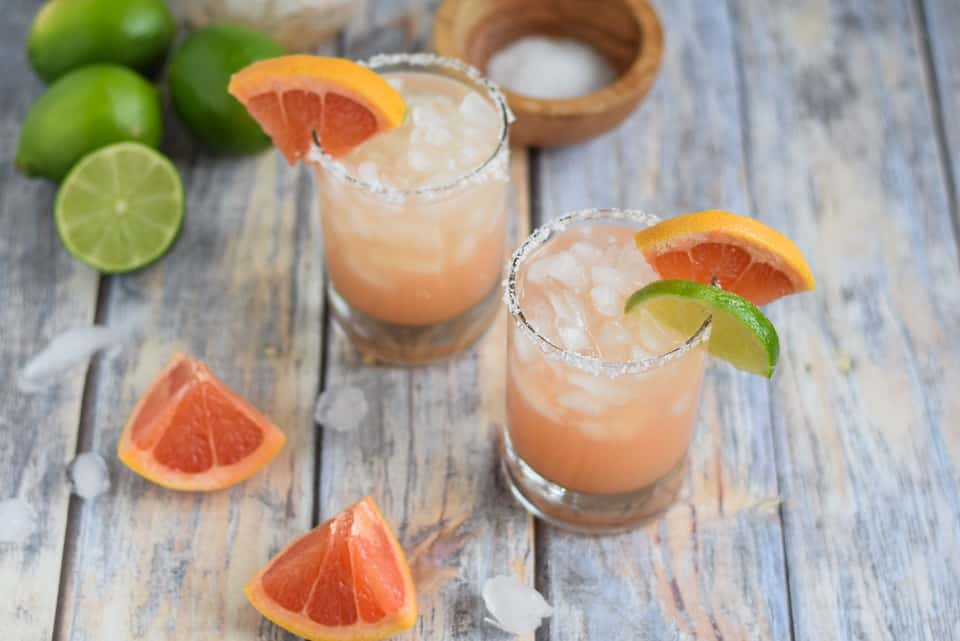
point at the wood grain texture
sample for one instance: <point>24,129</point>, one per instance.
<point>712,566</point>
<point>43,291</point>
<point>427,451</point>
<point>843,158</point>
<point>940,29</point>
<point>241,290</point>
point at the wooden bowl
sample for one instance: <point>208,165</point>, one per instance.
<point>627,32</point>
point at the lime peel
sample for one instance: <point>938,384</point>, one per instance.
<point>740,333</point>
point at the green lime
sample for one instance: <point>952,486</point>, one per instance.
<point>199,73</point>
<point>85,110</point>
<point>67,34</point>
<point>120,208</point>
<point>740,334</point>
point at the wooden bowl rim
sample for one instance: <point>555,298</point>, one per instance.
<point>628,87</point>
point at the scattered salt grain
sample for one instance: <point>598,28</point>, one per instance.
<point>17,520</point>
<point>513,606</point>
<point>89,475</point>
<point>550,67</point>
<point>67,350</point>
<point>342,409</point>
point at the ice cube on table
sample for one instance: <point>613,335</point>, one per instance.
<point>513,606</point>
<point>562,267</point>
<point>18,520</point>
<point>342,409</point>
<point>89,475</point>
<point>68,349</point>
<point>477,111</point>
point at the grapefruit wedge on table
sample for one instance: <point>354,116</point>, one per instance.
<point>294,96</point>
<point>347,579</point>
<point>746,257</point>
<point>191,432</point>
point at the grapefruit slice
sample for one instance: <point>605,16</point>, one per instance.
<point>191,432</point>
<point>345,580</point>
<point>744,255</point>
<point>294,96</point>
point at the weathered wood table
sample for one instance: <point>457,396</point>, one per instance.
<point>824,504</point>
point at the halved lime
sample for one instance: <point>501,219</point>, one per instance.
<point>120,207</point>
<point>740,334</point>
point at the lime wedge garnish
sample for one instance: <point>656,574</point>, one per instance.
<point>740,334</point>
<point>120,207</point>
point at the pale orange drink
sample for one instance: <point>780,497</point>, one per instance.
<point>601,405</point>
<point>414,219</point>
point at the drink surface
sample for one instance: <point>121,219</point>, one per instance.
<point>449,130</point>
<point>586,431</point>
<point>422,258</point>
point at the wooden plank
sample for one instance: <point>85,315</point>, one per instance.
<point>427,452</point>
<point>242,290</point>
<point>711,567</point>
<point>44,291</point>
<point>941,27</point>
<point>843,157</point>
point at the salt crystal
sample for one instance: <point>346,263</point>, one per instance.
<point>89,475</point>
<point>544,67</point>
<point>477,112</point>
<point>69,349</point>
<point>513,606</point>
<point>342,409</point>
<point>18,520</point>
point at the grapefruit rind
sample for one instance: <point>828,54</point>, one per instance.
<point>320,75</point>
<point>765,245</point>
<point>218,477</point>
<point>299,624</point>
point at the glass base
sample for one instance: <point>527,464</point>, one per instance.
<point>379,341</point>
<point>587,513</point>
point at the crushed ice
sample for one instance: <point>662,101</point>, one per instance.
<point>341,409</point>
<point>68,349</point>
<point>514,606</point>
<point>89,475</point>
<point>17,520</point>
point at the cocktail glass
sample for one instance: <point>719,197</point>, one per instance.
<point>414,220</point>
<point>601,406</point>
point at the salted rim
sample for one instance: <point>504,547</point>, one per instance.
<point>591,364</point>
<point>493,167</point>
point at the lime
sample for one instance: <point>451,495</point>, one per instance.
<point>85,110</point>
<point>199,73</point>
<point>120,208</point>
<point>740,334</point>
<point>67,34</point>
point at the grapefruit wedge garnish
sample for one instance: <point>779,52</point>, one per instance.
<point>294,96</point>
<point>347,579</point>
<point>744,255</point>
<point>191,432</point>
